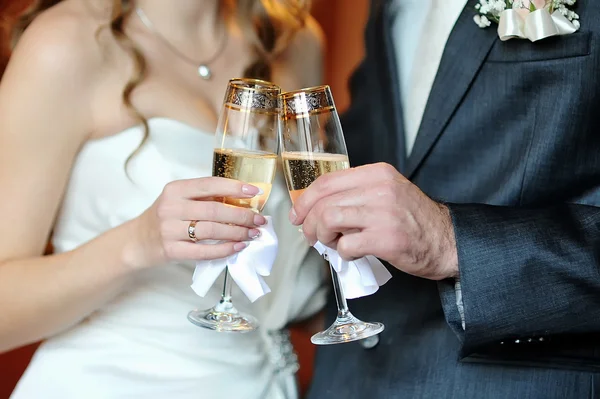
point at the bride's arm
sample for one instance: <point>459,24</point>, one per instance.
<point>45,115</point>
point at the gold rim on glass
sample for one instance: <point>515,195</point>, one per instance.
<point>292,93</point>
<point>303,103</point>
<point>254,85</point>
<point>252,95</point>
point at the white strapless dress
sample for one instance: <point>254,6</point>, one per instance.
<point>141,344</point>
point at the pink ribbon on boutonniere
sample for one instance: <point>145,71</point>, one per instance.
<point>535,25</point>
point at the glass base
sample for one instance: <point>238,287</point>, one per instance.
<point>223,318</point>
<point>347,329</point>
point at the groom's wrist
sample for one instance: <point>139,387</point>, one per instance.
<point>448,251</point>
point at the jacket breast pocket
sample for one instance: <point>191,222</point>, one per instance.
<point>577,44</point>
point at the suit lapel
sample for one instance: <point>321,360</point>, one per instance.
<point>391,88</point>
<point>465,51</point>
<point>383,95</point>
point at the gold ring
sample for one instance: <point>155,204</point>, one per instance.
<point>192,230</point>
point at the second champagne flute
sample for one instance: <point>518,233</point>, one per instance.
<point>246,150</point>
<point>312,144</point>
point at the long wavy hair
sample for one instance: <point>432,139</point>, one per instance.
<point>268,25</point>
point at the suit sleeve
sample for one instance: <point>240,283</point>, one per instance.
<point>526,275</point>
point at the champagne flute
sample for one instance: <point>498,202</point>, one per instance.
<point>312,144</point>
<point>246,150</point>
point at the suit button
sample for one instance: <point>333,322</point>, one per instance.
<point>369,342</point>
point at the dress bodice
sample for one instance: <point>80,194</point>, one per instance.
<point>146,328</point>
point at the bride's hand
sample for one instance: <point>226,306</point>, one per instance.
<point>163,228</point>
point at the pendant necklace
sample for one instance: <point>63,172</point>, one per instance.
<point>203,68</point>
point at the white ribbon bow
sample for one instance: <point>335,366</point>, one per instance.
<point>246,268</point>
<point>360,277</point>
<point>537,25</point>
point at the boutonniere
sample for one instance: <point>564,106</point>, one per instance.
<point>528,19</point>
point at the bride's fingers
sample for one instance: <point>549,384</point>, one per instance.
<point>182,250</point>
<point>177,230</point>
<point>211,211</point>
<point>206,187</point>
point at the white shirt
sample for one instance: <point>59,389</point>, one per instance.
<point>420,31</point>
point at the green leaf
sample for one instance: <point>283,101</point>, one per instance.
<point>532,7</point>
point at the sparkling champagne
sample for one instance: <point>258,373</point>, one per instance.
<point>303,168</point>
<point>252,167</point>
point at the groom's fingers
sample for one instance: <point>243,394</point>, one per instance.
<point>357,245</point>
<point>335,215</point>
<point>341,220</point>
<point>336,182</point>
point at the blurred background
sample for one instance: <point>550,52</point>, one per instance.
<point>343,23</point>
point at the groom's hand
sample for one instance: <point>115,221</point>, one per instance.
<point>374,210</point>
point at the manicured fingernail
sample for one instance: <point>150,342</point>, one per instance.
<point>251,190</point>
<point>239,246</point>
<point>259,220</point>
<point>253,233</point>
<point>293,216</point>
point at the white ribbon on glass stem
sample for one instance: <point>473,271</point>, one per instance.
<point>247,268</point>
<point>358,278</point>
<point>536,25</point>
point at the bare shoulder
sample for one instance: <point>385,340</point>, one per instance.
<point>53,72</point>
<point>60,46</point>
<point>305,53</point>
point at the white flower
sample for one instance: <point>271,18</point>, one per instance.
<point>570,15</point>
<point>482,21</point>
<point>491,10</point>
<point>557,4</point>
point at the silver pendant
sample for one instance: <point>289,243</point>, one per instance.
<point>204,72</point>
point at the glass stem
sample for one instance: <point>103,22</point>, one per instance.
<point>340,298</point>
<point>226,295</point>
<point>225,305</point>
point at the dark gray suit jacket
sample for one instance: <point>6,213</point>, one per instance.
<point>510,140</point>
